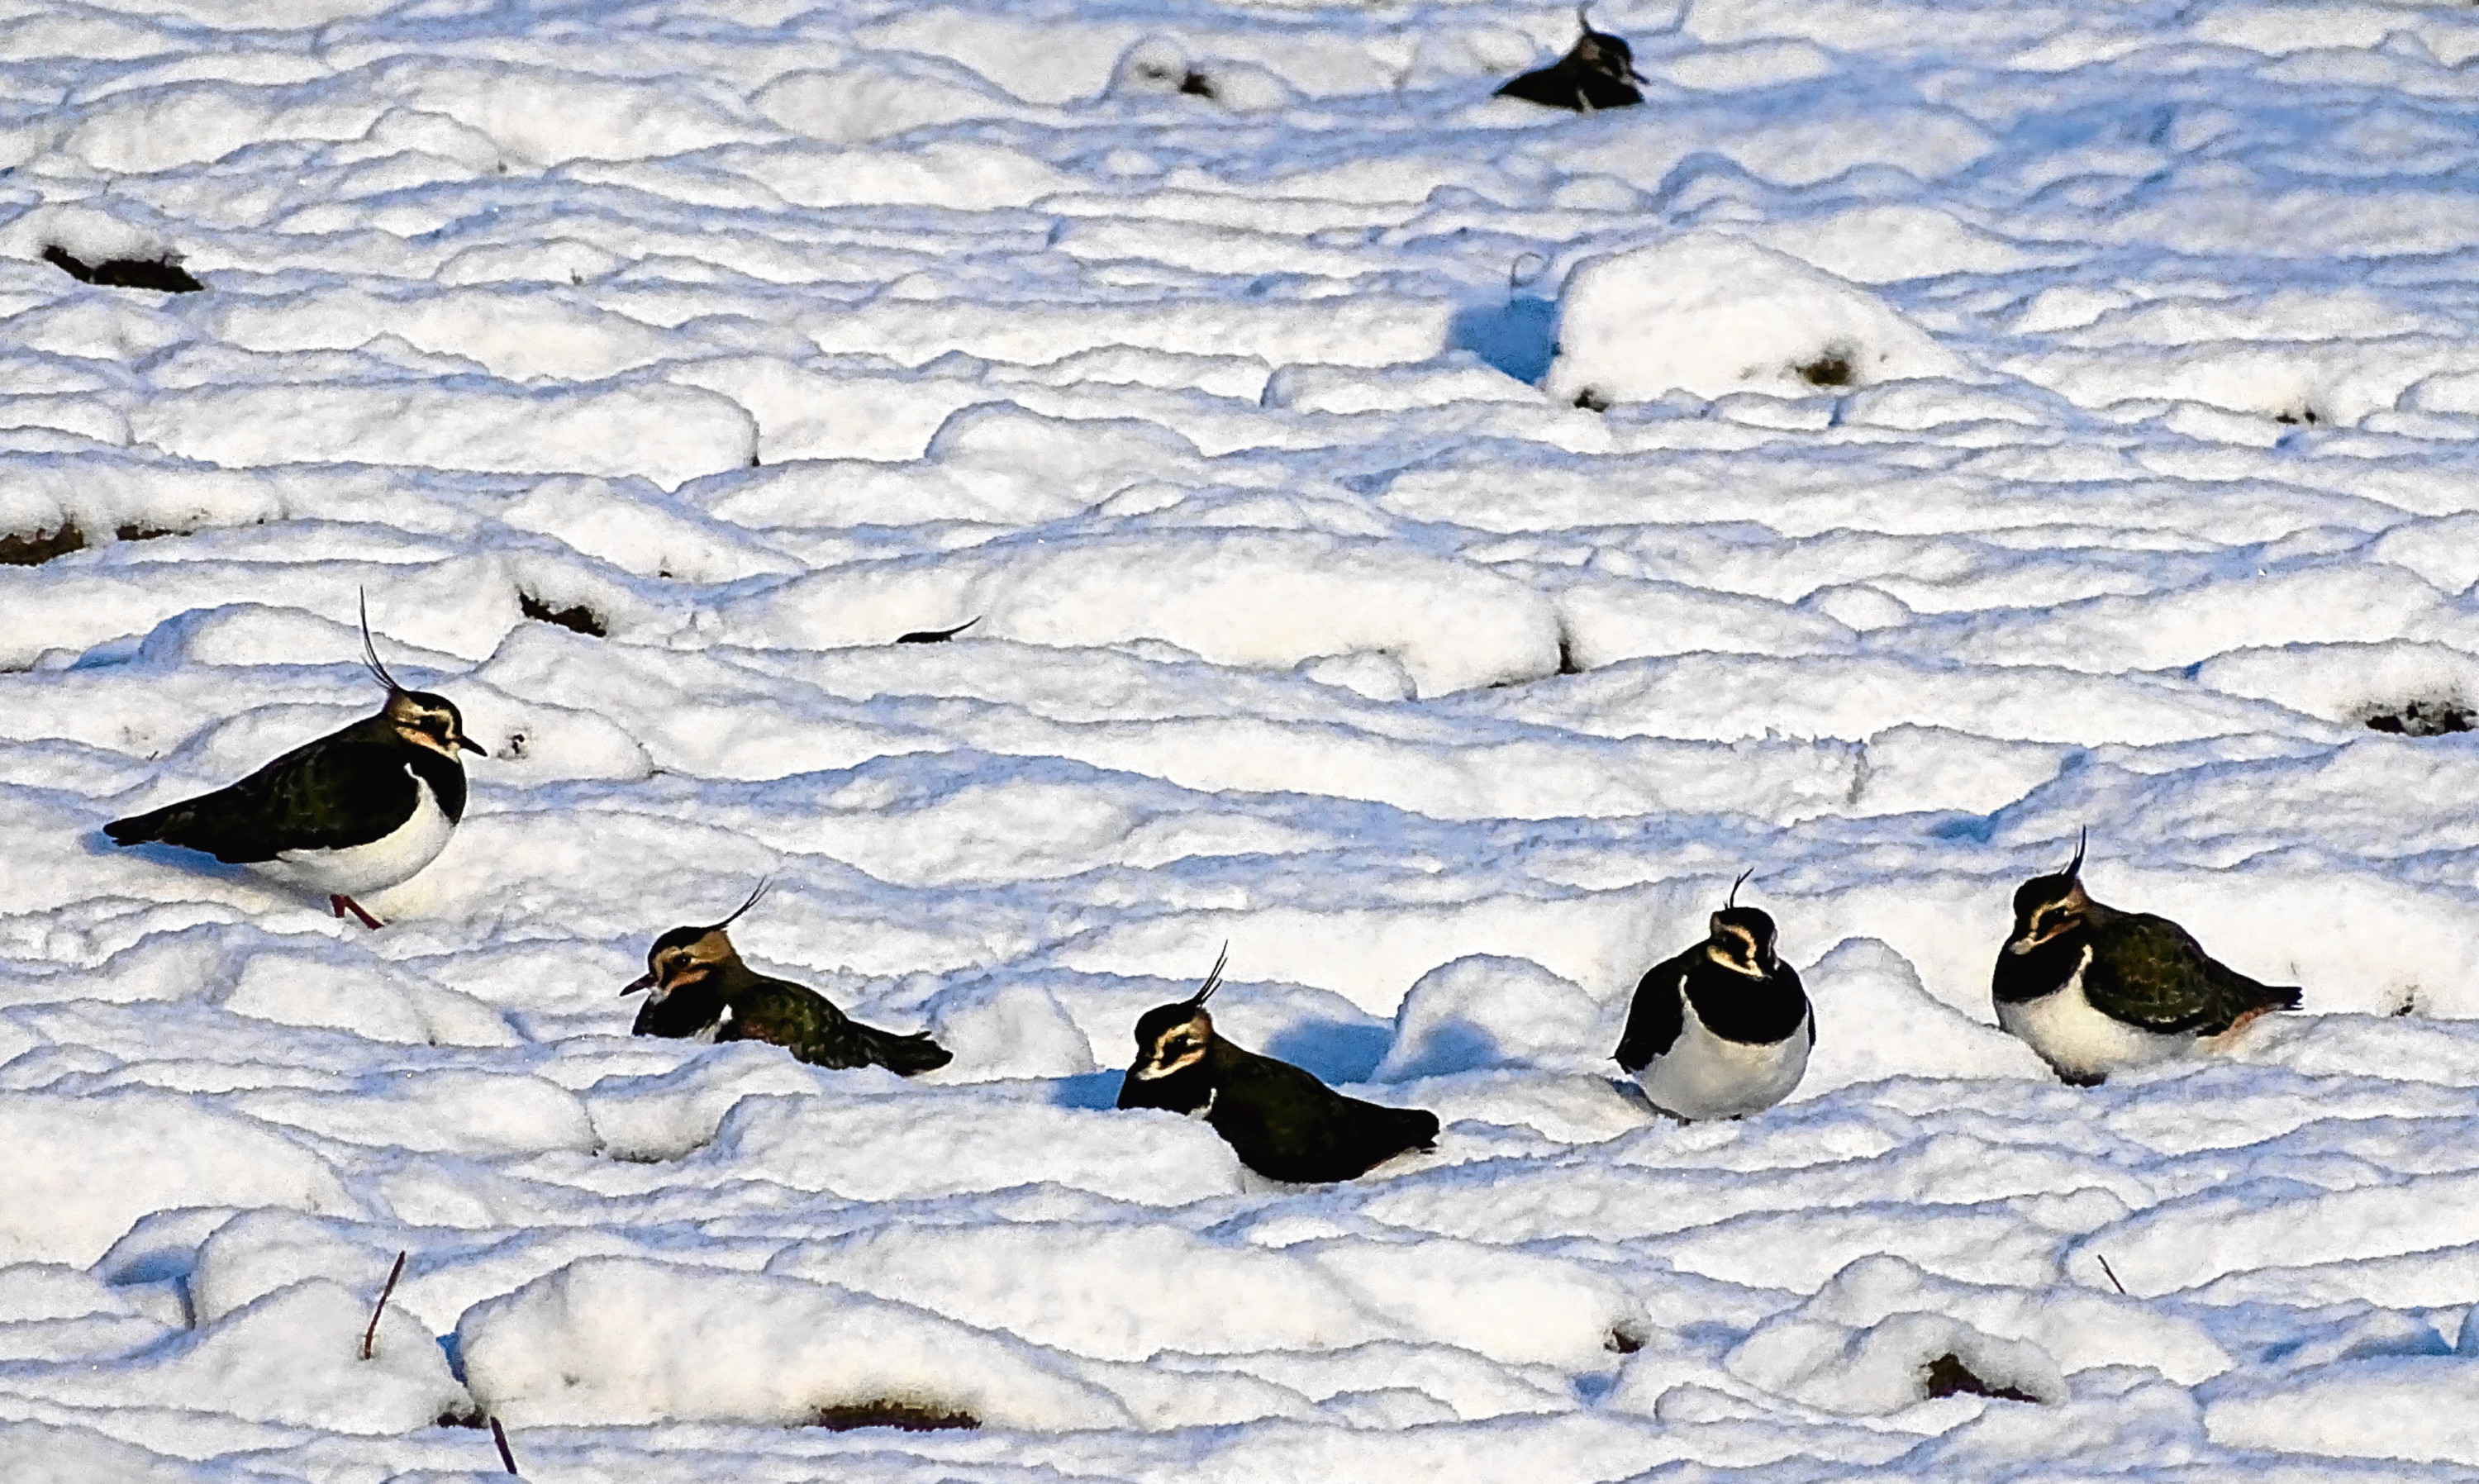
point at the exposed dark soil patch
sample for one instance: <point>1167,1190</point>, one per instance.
<point>1196,85</point>
<point>161,274</point>
<point>1592,400</point>
<point>904,1416</point>
<point>1620,1342</point>
<point>581,618</point>
<point>33,549</point>
<point>1829,369</point>
<point>2425,719</point>
<point>1948,1377</point>
<point>2304,416</point>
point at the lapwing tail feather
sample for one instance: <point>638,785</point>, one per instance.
<point>905,1055</point>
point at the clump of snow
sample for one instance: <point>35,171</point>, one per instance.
<point>1890,1365</point>
<point>1486,1011</point>
<point>1874,1019</point>
<point>610,1340</point>
<point>91,1166</point>
<point>862,1148</point>
<point>1714,315</point>
<point>1008,1030</point>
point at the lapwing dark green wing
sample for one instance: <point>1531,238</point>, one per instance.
<point>699,981</point>
<point>2096,990</point>
<point>1280,1121</point>
<point>354,813</point>
<point>1723,1030</point>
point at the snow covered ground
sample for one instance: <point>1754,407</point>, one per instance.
<point>2006,418</point>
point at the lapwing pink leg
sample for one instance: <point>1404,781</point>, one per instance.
<point>343,904</point>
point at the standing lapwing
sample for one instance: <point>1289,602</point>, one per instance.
<point>1280,1121</point>
<point>1598,73</point>
<point>2095,990</point>
<point>699,981</point>
<point>1723,1030</point>
<point>356,812</point>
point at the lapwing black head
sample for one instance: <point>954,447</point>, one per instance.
<point>690,956</point>
<point>2046,907</point>
<point>1172,1038</point>
<point>1600,53</point>
<point>418,716</point>
<point>1742,937</point>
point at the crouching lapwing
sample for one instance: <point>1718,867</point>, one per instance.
<point>1280,1121</point>
<point>699,982</point>
<point>1598,73</point>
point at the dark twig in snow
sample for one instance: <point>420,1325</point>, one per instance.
<point>2112,1273</point>
<point>500,1436</point>
<point>372,1333</point>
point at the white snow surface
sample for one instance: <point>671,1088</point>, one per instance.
<point>1996,420</point>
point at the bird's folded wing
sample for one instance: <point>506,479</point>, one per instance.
<point>2147,971</point>
<point>328,796</point>
<point>1655,1018</point>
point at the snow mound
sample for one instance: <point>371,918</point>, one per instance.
<point>1890,1365</point>
<point>1714,315</point>
<point>92,1165</point>
<point>871,1149</point>
<point>293,1357</point>
<point>1487,1011</point>
<point>613,1340</point>
<point>1874,1019</point>
<point>1112,1293</point>
<point>1008,1030</point>
<point>1270,598</point>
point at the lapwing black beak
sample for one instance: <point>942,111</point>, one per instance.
<point>472,746</point>
<point>644,981</point>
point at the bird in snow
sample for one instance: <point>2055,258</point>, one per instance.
<point>1722,1030</point>
<point>1280,1121</point>
<point>699,981</point>
<point>2095,990</point>
<point>1598,73</point>
<point>354,813</point>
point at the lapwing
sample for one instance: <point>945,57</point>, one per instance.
<point>1280,1121</point>
<point>1596,73</point>
<point>699,981</point>
<point>2096,990</point>
<point>1722,1030</point>
<point>354,813</point>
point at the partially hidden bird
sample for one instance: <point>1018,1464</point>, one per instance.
<point>1724,1029</point>
<point>1280,1121</point>
<point>2096,990</point>
<point>1598,73</point>
<point>699,981</point>
<point>354,813</point>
